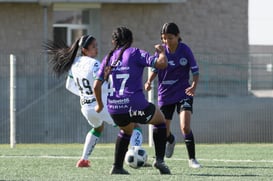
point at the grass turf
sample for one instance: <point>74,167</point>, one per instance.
<point>57,162</point>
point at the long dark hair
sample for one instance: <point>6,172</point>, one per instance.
<point>122,37</point>
<point>62,56</point>
<point>170,28</point>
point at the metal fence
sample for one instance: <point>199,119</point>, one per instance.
<point>225,108</point>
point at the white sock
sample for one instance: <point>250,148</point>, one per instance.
<point>136,138</point>
<point>89,145</point>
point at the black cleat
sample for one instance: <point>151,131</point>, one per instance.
<point>162,167</point>
<point>116,170</point>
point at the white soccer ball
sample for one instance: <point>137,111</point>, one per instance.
<point>136,156</point>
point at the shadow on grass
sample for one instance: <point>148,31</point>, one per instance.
<point>225,175</point>
<point>231,175</point>
<point>238,167</point>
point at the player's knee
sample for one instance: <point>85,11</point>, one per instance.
<point>185,129</point>
<point>99,128</point>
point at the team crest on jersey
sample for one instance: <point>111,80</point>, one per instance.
<point>183,61</point>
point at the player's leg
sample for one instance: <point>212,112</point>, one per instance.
<point>92,137</point>
<point>168,111</point>
<point>185,120</point>
<point>136,138</point>
<point>170,144</point>
<point>121,147</point>
<point>159,137</point>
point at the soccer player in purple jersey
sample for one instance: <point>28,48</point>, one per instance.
<point>80,63</point>
<point>122,68</point>
<point>174,89</point>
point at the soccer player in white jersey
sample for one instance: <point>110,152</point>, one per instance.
<point>80,63</point>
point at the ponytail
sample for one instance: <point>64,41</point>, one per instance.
<point>108,68</point>
<point>62,55</point>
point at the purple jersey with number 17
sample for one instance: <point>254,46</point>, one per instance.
<point>173,80</point>
<point>125,80</point>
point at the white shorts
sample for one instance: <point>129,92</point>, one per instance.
<point>96,119</point>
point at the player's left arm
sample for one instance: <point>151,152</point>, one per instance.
<point>190,91</point>
<point>71,85</point>
<point>148,83</point>
<point>194,68</point>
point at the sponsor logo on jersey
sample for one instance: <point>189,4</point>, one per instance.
<point>119,101</point>
<point>117,64</point>
<point>136,112</point>
<point>118,107</point>
<point>120,68</point>
<point>183,61</point>
<point>171,62</point>
<point>169,82</point>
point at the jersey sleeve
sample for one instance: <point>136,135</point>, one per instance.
<point>71,85</point>
<point>146,59</point>
<point>95,69</point>
<point>100,71</point>
<point>193,64</point>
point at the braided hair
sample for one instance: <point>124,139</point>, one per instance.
<point>122,37</point>
<point>62,55</point>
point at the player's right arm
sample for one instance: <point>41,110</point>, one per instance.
<point>161,62</point>
<point>97,93</point>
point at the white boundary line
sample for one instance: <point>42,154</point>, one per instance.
<point>103,158</point>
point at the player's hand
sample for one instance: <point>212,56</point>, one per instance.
<point>159,48</point>
<point>190,91</point>
<point>147,86</point>
<point>99,108</point>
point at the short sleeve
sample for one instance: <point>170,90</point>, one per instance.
<point>96,68</point>
<point>100,72</point>
<point>146,59</point>
<point>193,64</point>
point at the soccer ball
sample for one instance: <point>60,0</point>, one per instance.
<point>136,157</point>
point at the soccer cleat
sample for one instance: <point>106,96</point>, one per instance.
<point>83,163</point>
<point>116,170</point>
<point>169,149</point>
<point>194,163</point>
<point>162,167</point>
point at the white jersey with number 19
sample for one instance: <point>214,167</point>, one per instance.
<point>79,81</point>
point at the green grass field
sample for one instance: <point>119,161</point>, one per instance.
<point>57,162</point>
